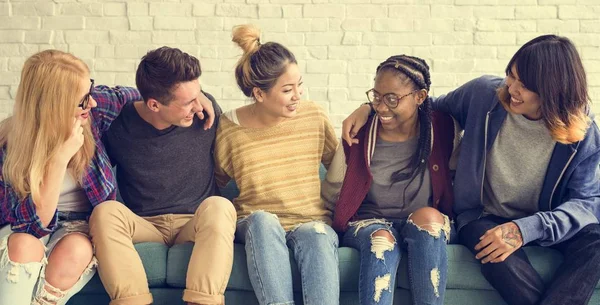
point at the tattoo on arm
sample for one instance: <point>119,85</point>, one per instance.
<point>511,236</point>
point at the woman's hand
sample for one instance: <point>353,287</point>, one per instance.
<point>352,124</point>
<point>72,145</point>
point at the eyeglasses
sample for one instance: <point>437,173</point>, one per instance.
<point>85,101</point>
<point>391,99</point>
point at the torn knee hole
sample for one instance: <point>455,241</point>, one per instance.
<point>48,295</point>
<point>381,243</point>
<point>434,229</point>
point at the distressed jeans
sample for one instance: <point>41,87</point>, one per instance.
<point>379,259</point>
<point>25,284</point>
<point>518,283</point>
<point>315,249</point>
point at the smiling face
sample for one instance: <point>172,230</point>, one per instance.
<point>182,108</point>
<point>405,114</point>
<point>522,100</point>
<point>283,98</point>
<point>83,114</point>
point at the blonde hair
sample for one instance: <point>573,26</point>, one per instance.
<point>261,64</point>
<point>42,120</point>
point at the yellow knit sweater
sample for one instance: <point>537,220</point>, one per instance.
<point>277,168</point>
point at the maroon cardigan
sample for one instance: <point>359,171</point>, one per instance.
<point>358,177</point>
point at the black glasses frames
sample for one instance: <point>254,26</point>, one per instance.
<point>86,98</point>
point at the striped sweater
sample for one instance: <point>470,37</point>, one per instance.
<point>277,169</point>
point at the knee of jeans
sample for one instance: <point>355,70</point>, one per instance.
<point>105,213</point>
<point>382,240</point>
<point>261,221</point>
<point>431,221</point>
<point>71,256</point>
<point>322,234</point>
<point>24,248</point>
<point>31,266</point>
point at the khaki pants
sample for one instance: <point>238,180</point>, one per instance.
<point>114,229</point>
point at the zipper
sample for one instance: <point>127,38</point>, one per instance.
<point>487,118</point>
<point>560,177</point>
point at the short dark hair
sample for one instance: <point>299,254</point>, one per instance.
<point>162,69</point>
<point>261,64</point>
<point>550,66</point>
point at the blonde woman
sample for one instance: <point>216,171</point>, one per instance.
<point>54,170</point>
<point>273,149</point>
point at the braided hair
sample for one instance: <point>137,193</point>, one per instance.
<point>413,71</point>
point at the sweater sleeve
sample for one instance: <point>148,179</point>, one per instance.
<point>332,184</point>
<point>222,156</point>
<point>331,142</point>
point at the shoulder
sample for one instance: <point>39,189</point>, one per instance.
<point>591,143</point>
<point>312,110</point>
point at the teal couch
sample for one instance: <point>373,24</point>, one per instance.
<point>166,272</point>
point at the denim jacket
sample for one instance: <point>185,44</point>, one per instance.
<point>570,195</point>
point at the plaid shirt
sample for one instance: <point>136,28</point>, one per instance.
<point>98,183</point>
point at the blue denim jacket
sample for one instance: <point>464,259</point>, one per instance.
<point>570,196</point>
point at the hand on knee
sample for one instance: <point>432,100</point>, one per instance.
<point>25,248</point>
<point>68,260</point>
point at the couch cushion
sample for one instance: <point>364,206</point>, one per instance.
<point>154,259</point>
<point>179,258</point>
<point>463,269</point>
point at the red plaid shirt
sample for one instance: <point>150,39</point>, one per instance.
<point>99,182</point>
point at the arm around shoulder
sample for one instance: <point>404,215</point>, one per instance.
<point>110,102</point>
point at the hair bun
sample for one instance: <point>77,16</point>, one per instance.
<point>247,36</point>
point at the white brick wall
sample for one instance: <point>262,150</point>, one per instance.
<point>338,42</point>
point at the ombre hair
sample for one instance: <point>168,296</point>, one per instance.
<point>42,120</point>
<point>550,66</point>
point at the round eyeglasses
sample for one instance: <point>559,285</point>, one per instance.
<point>390,99</point>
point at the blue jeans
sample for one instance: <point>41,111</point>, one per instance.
<point>379,259</point>
<point>315,249</point>
<point>518,283</point>
<point>23,283</point>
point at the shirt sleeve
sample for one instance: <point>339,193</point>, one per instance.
<point>110,102</point>
<point>21,213</point>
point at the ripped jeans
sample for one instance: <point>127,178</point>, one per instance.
<point>25,284</point>
<point>379,260</point>
<point>315,249</point>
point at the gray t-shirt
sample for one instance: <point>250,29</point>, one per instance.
<point>384,201</point>
<point>516,166</point>
<point>168,171</point>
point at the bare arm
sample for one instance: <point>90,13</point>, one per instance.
<point>354,122</point>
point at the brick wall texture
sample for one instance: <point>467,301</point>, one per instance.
<point>338,42</point>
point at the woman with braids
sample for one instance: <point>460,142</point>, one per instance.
<point>273,149</point>
<point>393,190</point>
<point>528,173</point>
